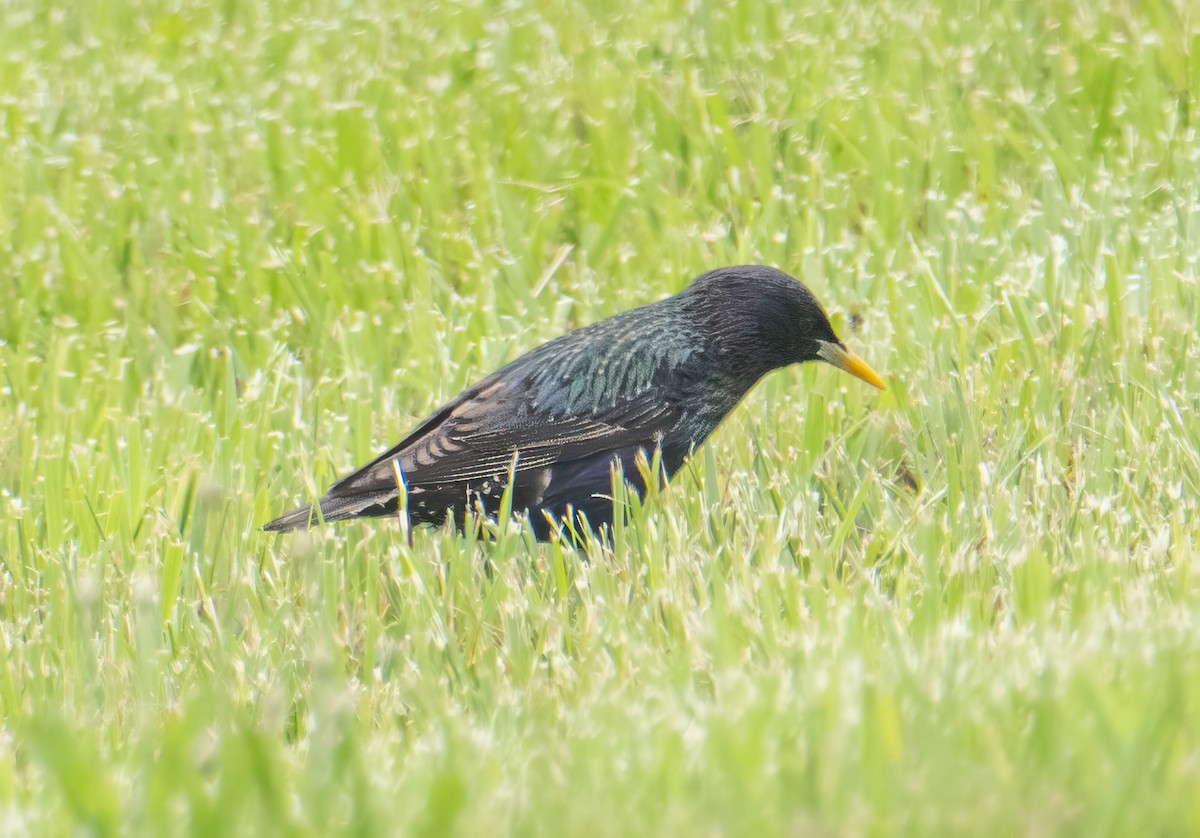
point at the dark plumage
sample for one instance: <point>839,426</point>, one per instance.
<point>662,376</point>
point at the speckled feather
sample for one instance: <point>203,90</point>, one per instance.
<point>661,376</point>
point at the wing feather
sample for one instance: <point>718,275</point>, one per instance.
<point>599,392</point>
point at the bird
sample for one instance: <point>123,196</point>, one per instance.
<point>552,426</point>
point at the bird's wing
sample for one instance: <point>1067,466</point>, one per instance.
<point>477,437</point>
<point>609,386</point>
<point>560,414</point>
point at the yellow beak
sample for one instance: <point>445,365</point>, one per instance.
<point>844,359</point>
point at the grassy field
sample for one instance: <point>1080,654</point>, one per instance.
<point>246,246</point>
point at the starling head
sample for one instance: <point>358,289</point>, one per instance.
<point>764,319</point>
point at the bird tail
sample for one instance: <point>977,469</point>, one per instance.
<point>297,519</point>
<point>336,506</point>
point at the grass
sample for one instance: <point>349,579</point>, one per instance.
<point>244,247</point>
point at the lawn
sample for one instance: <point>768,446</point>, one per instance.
<point>246,246</point>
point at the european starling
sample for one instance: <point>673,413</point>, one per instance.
<point>559,418</point>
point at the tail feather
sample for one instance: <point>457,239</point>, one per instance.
<point>337,508</point>
<point>295,520</point>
